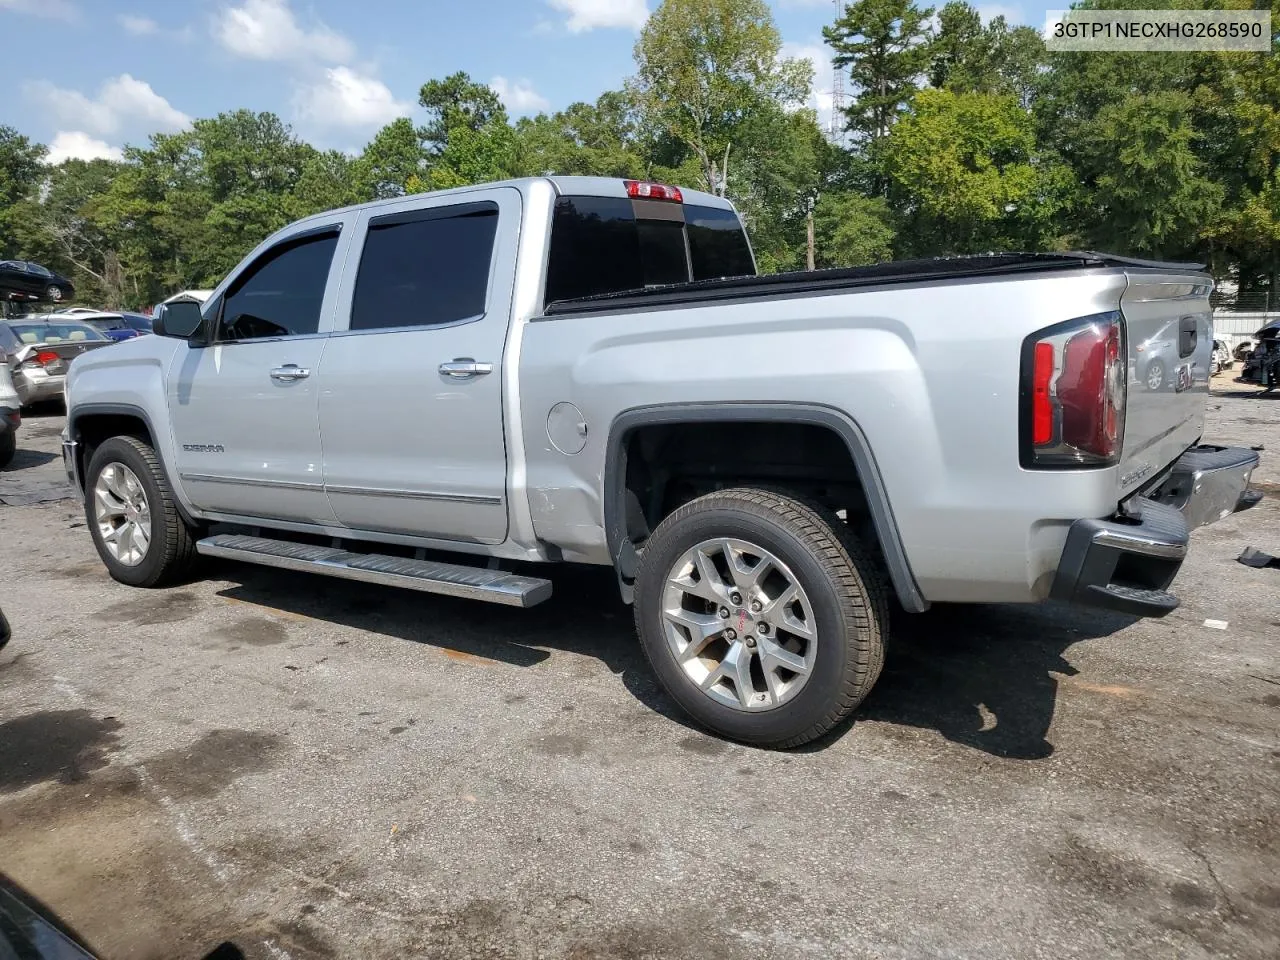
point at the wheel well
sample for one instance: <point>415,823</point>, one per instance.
<point>94,428</point>
<point>660,458</point>
<point>669,464</point>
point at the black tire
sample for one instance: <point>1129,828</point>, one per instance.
<point>53,292</point>
<point>171,555</point>
<point>1155,367</point>
<point>840,577</point>
<point>8,447</point>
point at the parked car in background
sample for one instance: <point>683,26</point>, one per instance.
<point>1221,359</point>
<point>34,281</point>
<point>10,413</point>
<point>137,321</point>
<point>114,325</point>
<point>40,351</point>
<point>1262,365</point>
<point>75,311</point>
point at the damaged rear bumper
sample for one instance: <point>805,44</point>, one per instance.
<point>1126,563</point>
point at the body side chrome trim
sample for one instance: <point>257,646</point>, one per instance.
<point>412,494</point>
<point>251,481</point>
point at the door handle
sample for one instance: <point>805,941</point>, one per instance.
<point>464,368</point>
<point>289,373</point>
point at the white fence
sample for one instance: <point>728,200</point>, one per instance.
<point>1237,324</point>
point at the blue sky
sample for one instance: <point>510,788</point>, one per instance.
<point>88,76</point>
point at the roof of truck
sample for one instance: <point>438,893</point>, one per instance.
<point>582,186</point>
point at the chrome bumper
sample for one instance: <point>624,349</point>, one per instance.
<point>1126,563</point>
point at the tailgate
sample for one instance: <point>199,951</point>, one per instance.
<point>1169,329</point>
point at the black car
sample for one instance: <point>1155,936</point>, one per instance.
<point>24,280</point>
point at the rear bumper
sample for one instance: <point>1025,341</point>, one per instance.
<point>1126,563</point>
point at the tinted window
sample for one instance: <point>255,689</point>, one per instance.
<point>280,294</point>
<point>425,268</point>
<point>595,248</point>
<point>9,342</point>
<point>717,244</point>
<point>663,257</point>
<point>38,270</point>
<point>136,321</point>
<point>599,246</point>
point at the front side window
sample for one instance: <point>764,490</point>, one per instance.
<point>425,268</point>
<point>281,293</point>
<point>38,270</point>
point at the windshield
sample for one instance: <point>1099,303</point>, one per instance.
<point>54,332</point>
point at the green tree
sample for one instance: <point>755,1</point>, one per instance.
<point>467,136</point>
<point>328,180</point>
<point>965,171</point>
<point>21,168</point>
<point>703,68</point>
<point>884,46</point>
<point>1151,196</point>
<point>968,57</point>
<point>599,139</point>
<point>851,230</point>
<point>392,159</point>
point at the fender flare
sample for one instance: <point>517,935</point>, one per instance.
<point>126,410</point>
<point>623,552</point>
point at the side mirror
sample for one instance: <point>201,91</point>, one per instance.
<point>181,319</point>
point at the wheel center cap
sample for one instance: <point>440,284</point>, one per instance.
<point>743,618</point>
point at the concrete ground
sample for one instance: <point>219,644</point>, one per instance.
<point>314,769</point>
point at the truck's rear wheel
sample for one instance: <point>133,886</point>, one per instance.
<point>761,615</point>
<point>133,517</point>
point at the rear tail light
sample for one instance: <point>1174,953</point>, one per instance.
<point>1073,394</point>
<point>643,190</point>
<point>46,357</point>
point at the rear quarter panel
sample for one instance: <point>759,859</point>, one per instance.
<point>930,374</point>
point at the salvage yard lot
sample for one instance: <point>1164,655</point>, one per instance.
<point>314,769</point>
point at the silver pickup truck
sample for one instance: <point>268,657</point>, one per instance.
<point>437,391</point>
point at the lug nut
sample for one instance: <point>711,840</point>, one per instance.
<point>724,613</point>
<point>751,641</point>
<point>731,633</point>
<point>762,628</point>
<point>735,598</point>
<point>755,606</point>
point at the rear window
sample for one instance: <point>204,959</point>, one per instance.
<point>54,332</point>
<point>600,246</point>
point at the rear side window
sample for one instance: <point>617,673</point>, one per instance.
<point>281,293</point>
<point>600,246</point>
<point>717,244</point>
<point>425,268</point>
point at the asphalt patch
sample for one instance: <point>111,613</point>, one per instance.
<point>208,766</point>
<point>54,745</point>
<point>152,608</point>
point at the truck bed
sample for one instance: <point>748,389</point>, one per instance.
<point>844,278</point>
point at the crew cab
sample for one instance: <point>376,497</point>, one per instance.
<point>429,390</point>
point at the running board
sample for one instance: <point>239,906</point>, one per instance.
<point>429,576</point>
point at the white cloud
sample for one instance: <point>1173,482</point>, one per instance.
<point>518,95</point>
<point>268,30</point>
<point>586,15</point>
<point>819,55</point>
<point>121,102</point>
<point>53,9</point>
<point>77,145</point>
<point>345,98</point>
<point>1012,15</point>
<point>138,26</point>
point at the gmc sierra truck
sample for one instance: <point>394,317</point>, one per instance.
<point>430,390</point>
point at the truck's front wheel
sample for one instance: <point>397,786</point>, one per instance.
<point>132,514</point>
<point>761,615</point>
